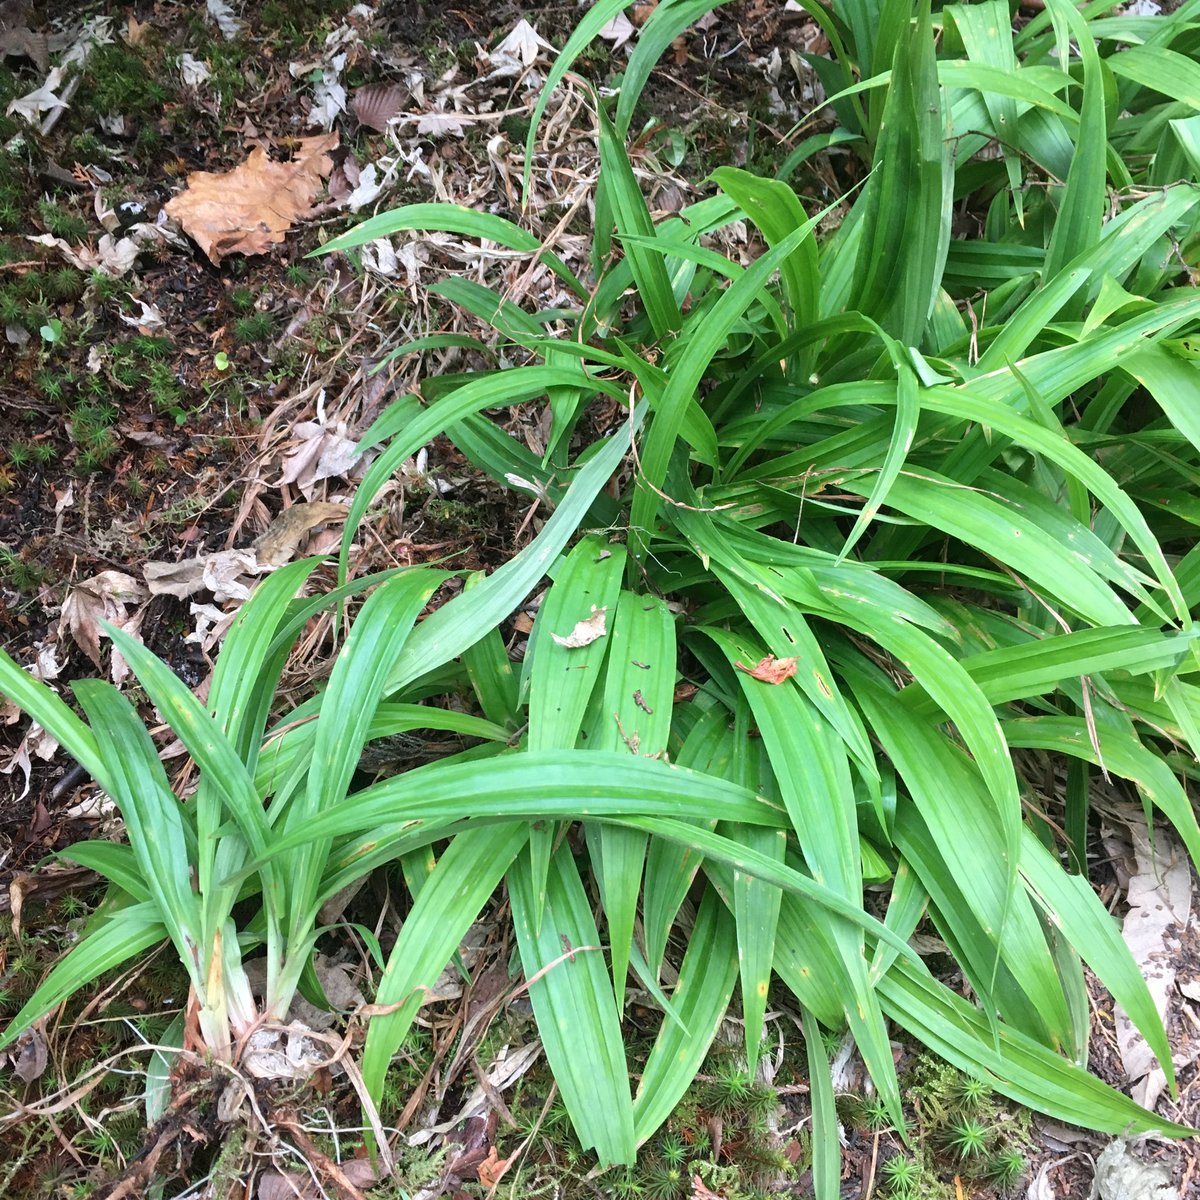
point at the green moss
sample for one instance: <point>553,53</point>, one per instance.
<point>120,81</point>
<point>61,222</point>
<point>255,327</point>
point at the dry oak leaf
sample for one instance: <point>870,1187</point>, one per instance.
<point>250,209</point>
<point>585,632</point>
<point>770,669</point>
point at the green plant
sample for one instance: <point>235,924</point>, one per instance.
<point>19,454</point>
<point>732,1090</point>
<point>241,298</point>
<point>665,1181</point>
<point>968,1139</point>
<point>901,1174</point>
<point>971,1093</point>
<point>875,1113</point>
<point>62,223</point>
<point>673,1150</point>
<point>859,461</point>
<point>1006,1168</point>
<point>255,327</point>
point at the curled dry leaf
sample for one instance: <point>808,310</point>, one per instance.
<point>275,545</point>
<point>40,100</point>
<point>318,451</point>
<point>519,49</point>
<point>585,632</point>
<point>104,597</point>
<point>222,15</point>
<point>770,669</point>
<point>250,209</point>
<point>192,71</point>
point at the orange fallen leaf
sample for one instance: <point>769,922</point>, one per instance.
<point>770,669</point>
<point>250,209</point>
<point>492,1169</point>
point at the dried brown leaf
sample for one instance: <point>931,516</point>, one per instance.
<point>225,573</point>
<point>102,598</point>
<point>1159,898</point>
<point>585,632</point>
<point>377,103</point>
<point>32,1056</point>
<point>300,1185</point>
<point>492,1169</point>
<point>21,40</point>
<point>250,209</point>
<point>770,669</point>
<point>278,542</point>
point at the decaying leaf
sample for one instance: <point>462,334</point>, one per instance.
<point>104,597</point>
<point>250,209</point>
<point>1159,897</point>
<point>509,1065</point>
<point>40,100</point>
<point>36,743</point>
<point>618,31</point>
<point>32,1056</point>
<point>112,255</point>
<point>377,103</point>
<point>192,70</point>
<point>319,451</point>
<point>300,1185</point>
<point>492,1169</point>
<point>770,669</point>
<point>21,40</point>
<point>329,95</point>
<point>436,124</point>
<point>278,542</point>
<point>585,632</point>
<point>228,574</point>
<point>518,50</point>
<point>222,15</point>
<point>1122,1175</point>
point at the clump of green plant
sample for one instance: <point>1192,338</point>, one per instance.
<point>881,522</point>
<point>967,1139</point>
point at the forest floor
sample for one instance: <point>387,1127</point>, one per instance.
<point>181,392</point>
